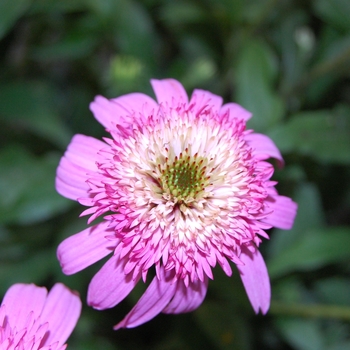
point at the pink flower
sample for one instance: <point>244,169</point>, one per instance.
<point>182,186</point>
<point>32,319</point>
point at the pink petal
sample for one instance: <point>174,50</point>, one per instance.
<point>202,100</point>
<point>187,299</point>
<point>235,111</point>
<point>84,248</point>
<point>264,147</point>
<point>110,285</point>
<point>78,161</point>
<point>255,279</point>
<point>122,110</point>
<point>284,212</point>
<point>20,300</point>
<point>61,310</point>
<point>152,302</point>
<point>169,91</point>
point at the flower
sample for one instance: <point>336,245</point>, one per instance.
<point>182,186</point>
<point>32,319</point>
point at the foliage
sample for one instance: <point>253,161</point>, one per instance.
<point>286,61</point>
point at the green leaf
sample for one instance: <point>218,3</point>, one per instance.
<point>47,6</point>
<point>335,12</point>
<point>296,42</point>
<point>181,13</point>
<point>130,27</point>
<point>323,135</point>
<point>10,12</point>
<point>74,45</point>
<point>332,58</point>
<point>302,334</point>
<point>27,187</point>
<point>334,290</point>
<point>317,248</point>
<point>34,269</point>
<point>340,346</point>
<point>31,106</point>
<point>254,76</point>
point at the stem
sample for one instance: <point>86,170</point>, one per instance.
<point>314,310</point>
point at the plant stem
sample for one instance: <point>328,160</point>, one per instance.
<point>312,310</point>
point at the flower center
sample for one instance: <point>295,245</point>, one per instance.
<point>184,176</point>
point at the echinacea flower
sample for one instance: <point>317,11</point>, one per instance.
<point>32,319</point>
<point>182,186</point>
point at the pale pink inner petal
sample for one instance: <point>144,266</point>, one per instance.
<point>187,299</point>
<point>61,310</point>
<point>110,285</point>
<point>202,99</point>
<point>152,302</point>
<point>264,147</point>
<point>122,110</point>
<point>20,300</point>
<point>255,279</point>
<point>83,249</point>
<point>283,213</point>
<point>169,91</point>
<point>78,161</point>
<point>235,111</point>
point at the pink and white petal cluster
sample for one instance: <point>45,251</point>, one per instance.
<point>215,212</point>
<point>33,319</point>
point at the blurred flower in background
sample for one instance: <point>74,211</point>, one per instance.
<point>33,319</point>
<point>185,187</point>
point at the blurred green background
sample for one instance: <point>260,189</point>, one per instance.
<point>287,61</point>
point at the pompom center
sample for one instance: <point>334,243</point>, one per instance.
<point>184,177</point>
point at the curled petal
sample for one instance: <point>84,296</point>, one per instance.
<point>74,167</point>
<point>122,110</point>
<point>152,302</point>
<point>255,279</point>
<point>61,310</point>
<point>110,285</point>
<point>169,91</point>
<point>283,212</point>
<point>264,147</point>
<point>187,299</point>
<point>84,248</point>
<point>235,111</point>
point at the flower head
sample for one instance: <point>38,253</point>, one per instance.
<point>182,186</point>
<point>32,319</point>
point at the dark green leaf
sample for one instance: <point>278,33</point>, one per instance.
<point>317,248</point>
<point>335,12</point>
<point>254,76</point>
<point>73,46</point>
<point>10,11</point>
<point>27,187</point>
<point>302,334</point>
<point>47,6</point>
<point>32,106</point>
<point>181,12</point>
<point>334,290</point>
<point>34,269</point>
<point>323,135</point>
